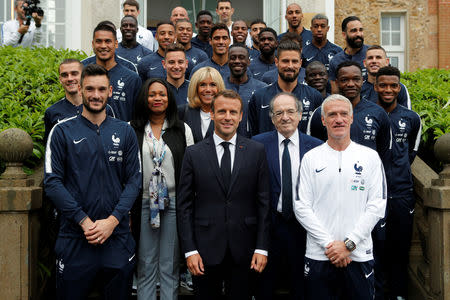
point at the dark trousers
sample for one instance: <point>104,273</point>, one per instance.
<point>398,237</point>
<point>80,265</point>
<point>326,282</point>
<point>238,279</point>
<point>286,252</point>
<point>379,241</point>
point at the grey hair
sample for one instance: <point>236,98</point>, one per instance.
<point>336,97</point>
<point>319,17</point>
<point>298,104</point>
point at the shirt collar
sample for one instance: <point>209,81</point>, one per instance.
<point>218,139</point>
<point>293,138</point>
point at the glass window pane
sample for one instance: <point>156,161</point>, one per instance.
<point>385,23</point>
<point>395,39</point>
<point>59,15</point>
<point>3,12</point>
<point>59,36</point>
<point>393,60</point>
<point>395,23</point>
<point>385,39</point>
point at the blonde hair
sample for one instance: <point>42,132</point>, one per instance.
<point>199,76</point>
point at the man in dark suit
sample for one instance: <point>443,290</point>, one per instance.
<point>285,148</point>
<point>223,206</point>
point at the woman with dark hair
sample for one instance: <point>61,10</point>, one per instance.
<point>205,83</point>
<point>162,140</point>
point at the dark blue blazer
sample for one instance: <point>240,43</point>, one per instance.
<point>191,116</point>
<point>270,141</point>
<point>211,218</point>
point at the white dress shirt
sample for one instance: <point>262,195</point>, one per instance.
<point>219,150</point>
<point>11,37</point>
<point>205,118</point>
<point>294,153</point>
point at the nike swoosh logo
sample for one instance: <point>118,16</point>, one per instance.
<point>318,171</point>
<point>411,211</point>
<point>368,275</point>
<point>264,106</point>
<point>308,59</point>
<point>131,257</point>
<point>79,141</point>
<point>151,69</point>
<point>256,74</point>
<point>382,225</point>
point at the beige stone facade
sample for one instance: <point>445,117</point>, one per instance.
<point>425,45</point>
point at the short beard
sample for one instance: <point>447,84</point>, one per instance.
<point>355,44</point>
<point>294,26</point>
<point>289,79</point>
<point>91,110</point>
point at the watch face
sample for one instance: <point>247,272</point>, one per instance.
<point>350,245</point>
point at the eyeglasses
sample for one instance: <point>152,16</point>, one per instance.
<point>289,112</point>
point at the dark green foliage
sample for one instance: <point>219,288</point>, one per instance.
<point>28,85</point>
<point>430,96</point>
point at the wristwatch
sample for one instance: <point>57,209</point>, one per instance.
<point>349,244</point>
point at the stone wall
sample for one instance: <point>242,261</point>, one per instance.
<point>93,12</point>
<point>421,18</point>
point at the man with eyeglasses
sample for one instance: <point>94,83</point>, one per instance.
<point>285,148</point>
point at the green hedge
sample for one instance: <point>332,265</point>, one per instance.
<point>28,85</point>
<point>430,96</point>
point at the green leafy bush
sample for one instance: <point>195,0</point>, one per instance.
<point>430,96</point>
<point>28,85</point>
<point>429,90</point>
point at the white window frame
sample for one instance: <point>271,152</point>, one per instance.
<point>396,51</point>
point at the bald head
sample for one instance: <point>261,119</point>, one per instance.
<point>178,13</point>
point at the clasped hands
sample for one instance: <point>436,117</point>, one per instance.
<point>338,254</point>
<point>98,232</point>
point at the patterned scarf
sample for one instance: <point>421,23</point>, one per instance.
<point>157,187</point>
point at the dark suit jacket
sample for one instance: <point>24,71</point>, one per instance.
<point>270,141</point>
<point>191,116</point>
<point>211,219</point>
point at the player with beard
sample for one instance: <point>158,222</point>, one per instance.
<point>240,82</point>
<point>183,32</point>
<point>220,41</point>
<point>317,77</point>
<point>151,65</point>
<point>255,29</point>
<point>129,48</point>
<point>125,83</point>
<point>294,17</point>
<point>239,34</point>
<point>93,176</point>
<point>203,25</point>
<point>375,59</point>
<point>288,62</point>
<point>271,76</point>
<point>355,50</point>
<point>266,60</point>
<point>320,49</point>
<point>406,128</point>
